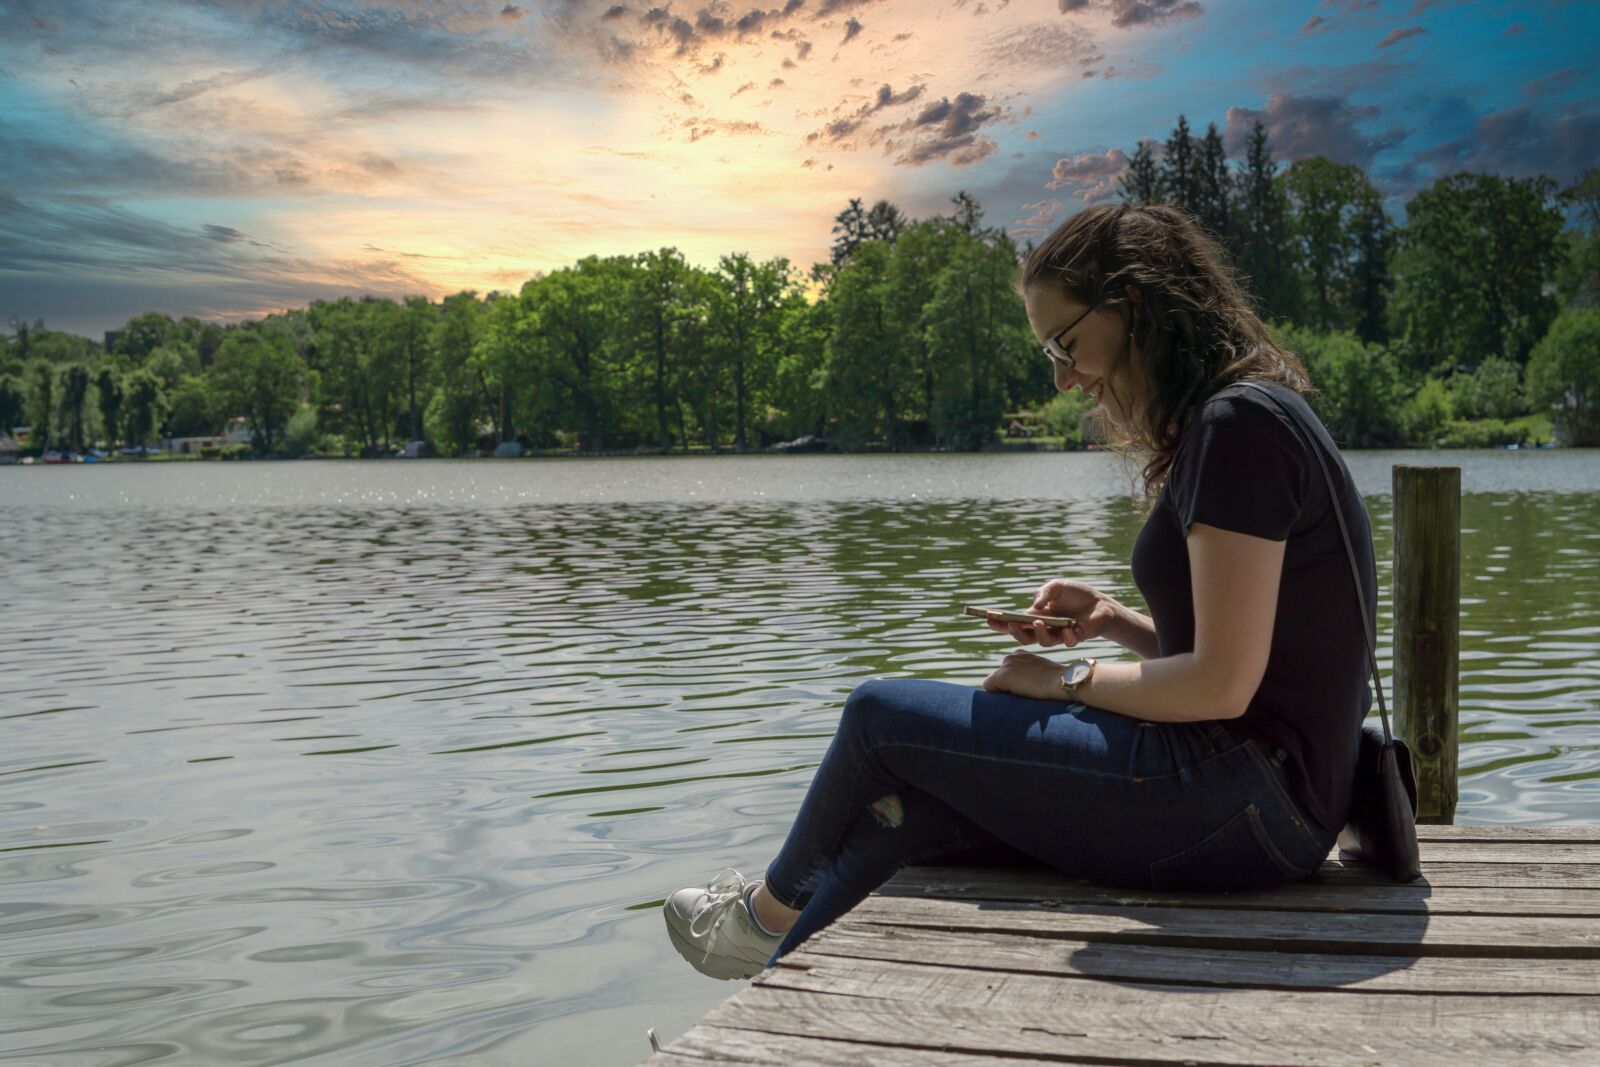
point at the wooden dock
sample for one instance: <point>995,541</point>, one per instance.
<point>1493,957</point>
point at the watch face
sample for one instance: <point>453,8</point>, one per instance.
<point>1077,672</point>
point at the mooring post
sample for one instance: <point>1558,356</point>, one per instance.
<point>1427,630</point>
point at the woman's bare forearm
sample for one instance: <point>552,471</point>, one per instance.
<point>1134,631</point>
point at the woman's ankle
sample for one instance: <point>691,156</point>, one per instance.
<point>769,912</point>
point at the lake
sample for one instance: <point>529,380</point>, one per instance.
<point>391,763</point>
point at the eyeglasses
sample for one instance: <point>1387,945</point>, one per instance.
<point>1053,349</point>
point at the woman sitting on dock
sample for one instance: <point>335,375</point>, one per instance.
<point>1222,758</point>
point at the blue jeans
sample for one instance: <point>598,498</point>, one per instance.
<point>922,771</point>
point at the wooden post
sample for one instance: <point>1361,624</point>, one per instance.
<point>1427,630</point>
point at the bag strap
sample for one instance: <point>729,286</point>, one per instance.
<point>1309,440</point>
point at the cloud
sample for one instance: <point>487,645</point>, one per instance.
<point>1558,82</point>
<point>1129,13</point>
<point>1042,219</point>
<point>852,29</point>
<point>1399,34</point>
<point>72,245</point>
<point>1315,24</point>
<point>1523,142</point>
<point>1042,45</point>
<point>1089,177</point>
<point>885,97</point>
<point>1302,126</point>
<point>949,130</point>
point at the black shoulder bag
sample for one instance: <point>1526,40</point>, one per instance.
<point>1382,830</point>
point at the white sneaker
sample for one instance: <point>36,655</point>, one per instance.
<point>713,930</point>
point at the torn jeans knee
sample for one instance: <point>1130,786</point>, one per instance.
<point>888,810</point>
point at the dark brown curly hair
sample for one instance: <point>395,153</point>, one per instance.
<point>1198,329</point>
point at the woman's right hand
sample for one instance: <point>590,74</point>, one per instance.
<point>1092,609</point>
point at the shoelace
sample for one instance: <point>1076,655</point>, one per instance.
<point>722,896</point>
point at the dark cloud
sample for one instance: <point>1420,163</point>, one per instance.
<point>1522,142</point>
<point>1129,13</point>
<point>949,130</point>
<point>72,254</point>
<point>852,29</point>
<point>1302,126</point>
<point>1315,24</point>
<point>841,128</point>
<point>1399,34</point>
<point>1560,81</point>
<point>1350,7</point>
<point>191,89</point>
<point>1513,29</point>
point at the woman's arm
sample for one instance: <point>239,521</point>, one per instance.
<point>1234,578</point>
<point>1133,630</point>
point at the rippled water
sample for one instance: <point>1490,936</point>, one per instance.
<point>392,763</point>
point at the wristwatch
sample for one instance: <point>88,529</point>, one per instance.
<point>1076,673</point>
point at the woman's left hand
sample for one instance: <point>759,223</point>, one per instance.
<point>1027,675</point>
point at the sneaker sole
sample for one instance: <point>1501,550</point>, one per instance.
<point>720,968</point>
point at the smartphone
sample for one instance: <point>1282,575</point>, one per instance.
<point>1002,615</point>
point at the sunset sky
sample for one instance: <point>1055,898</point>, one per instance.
<point>229,158</point>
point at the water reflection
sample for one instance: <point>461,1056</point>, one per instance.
<point>391,775</point>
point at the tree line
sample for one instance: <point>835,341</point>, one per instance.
<point>1479,313</point>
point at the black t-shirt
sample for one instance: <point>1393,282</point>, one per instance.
<point>1241,466</point>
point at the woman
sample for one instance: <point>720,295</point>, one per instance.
<point>1222,757</point>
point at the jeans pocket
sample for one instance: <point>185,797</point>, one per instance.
<point>1237,855</point>
<point>1289,809</point>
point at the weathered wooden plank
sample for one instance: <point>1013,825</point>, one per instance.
<point>1228,1028</point>
<point>1461,875</point>
<point>1573,875</point>
<point>1565,832</point>
<point>980,883</point>
<point>1185,966</point>
<point>714,1044</point>
<point>1514,937</point>
<point>1509,850</point>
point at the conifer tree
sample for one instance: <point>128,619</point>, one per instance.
<point>1178,169</point>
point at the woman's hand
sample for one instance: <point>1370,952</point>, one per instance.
<point>1027,675</point>
<point>1092,609</point>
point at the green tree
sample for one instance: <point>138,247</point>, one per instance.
<point>258,374</point>
<point>1564,373</point>
<point>1265,249</point>
<point>743,315</point>
<point>1141,184</point>
<point>1358,386</point>
<point>1474,270</point>
<point>661,303</point>
<point>109,397</point>
<point>923,250</point>
<point>1492,391</point>
<point>864,376</point>
<point>74,398</point>
<point>1212,186</point>
<point>462,398</point>
<point>1334,209</point>
<point>979,334</point>
<point>146,405</point>
<point>1179,178</point>
<point>885,221</point>
<point>190,409</point>
<point>849,230</point>
<point>144,334</point>
<point>13,402</point>
<point>42,413</point>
